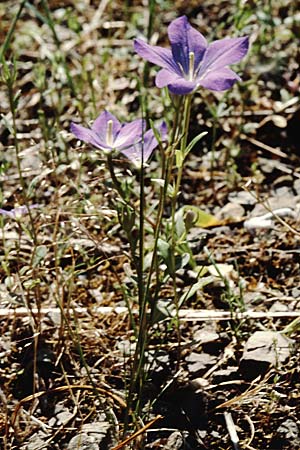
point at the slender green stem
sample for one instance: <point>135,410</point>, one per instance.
<point>10,79</point>
<point>12,104</point>
<point>141,236</point>
<point>185,127</point>
<point>137,372</point>
<point>139,360</point>
<point>11,31</point>
<point>115,180</point>
<point>166,171</point>
<point>151,9</point>
<point>213,150</point>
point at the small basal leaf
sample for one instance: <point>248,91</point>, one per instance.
<point>202,218</point>
<point>40,254</point>
<point>194,142</point>
<point>194,288</point>
<point>179,158</point>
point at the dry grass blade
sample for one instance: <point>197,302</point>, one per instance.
<point>29,398</point>
<point>72,269</point>
<point>268,148</point>
<point>138,433</point>
<point>185,314</point>
<point>252,429</point>
<point>248,393</point>
<point>232,430</point>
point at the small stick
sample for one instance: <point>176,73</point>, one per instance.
<point>266,147</point>
<point>232,430</point>
<point>138,433</point>
<point>184,314</point>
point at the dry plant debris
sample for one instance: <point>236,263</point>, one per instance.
<point>66,333</point>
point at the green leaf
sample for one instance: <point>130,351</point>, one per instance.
<point>179,158</point>
<point>155,132</point>
<point>7,124</point>
<point>180,227</point>
<point>194,288</point>
<point>39,254</point>
<point>159,181</point>
<point>202,218</point>
<point>194,142</point>
<point>164,249</point>
<point>163,309</point>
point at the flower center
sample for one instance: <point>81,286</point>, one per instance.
<point>191,65</point>
<point>109,134</point>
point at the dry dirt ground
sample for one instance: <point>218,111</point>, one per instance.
<point>66,333</point>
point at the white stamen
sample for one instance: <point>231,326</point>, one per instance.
<point>109,135</point>
<point>191,65</point>
<point>181,68</point>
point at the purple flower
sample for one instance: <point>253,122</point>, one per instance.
<point>146,145</point>
<point>17,212</point>
<point>192,62</point>
<point>108,134</point>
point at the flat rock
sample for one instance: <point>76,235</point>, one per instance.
<point>175,441</point>
<point>206,335</point>
<point>262,350</point>
<point>37,441</point>
<point>231,210</point>
<point>92,436</point>
<point>200,362</point>
<point>287,436</point>
<point>228,374</point>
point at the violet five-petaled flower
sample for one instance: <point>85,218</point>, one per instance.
<point>17,212</point>
<point>131,139</point>
<point>192,62</point>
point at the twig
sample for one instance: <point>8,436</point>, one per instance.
<point>269,209</point>
<point>83,387</point>
<point>266,147</point>
<point>247,394</point>
<point>232,430</point>
<point>138,433</point>
<point>97,18</point>
<point>184,314</point>
<point>252,429</point>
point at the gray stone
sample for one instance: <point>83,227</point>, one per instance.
<point>200,362</point>
<point>83,442</point>
<point>92,436</point>
<point>37,441</point>
<point>263,350</point>
<point>231,210</point>
<point>289,429</point>
<point>175,441</point>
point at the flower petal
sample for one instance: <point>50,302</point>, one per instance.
<point>219,80</point>
<point>134,153</point>
<point>185,39</point>
<point>130,133</point>
<point>100,125</point>
<point>223,52</point>
<point>181,86</point>
<point>157,55</point>
<point>150,142</point>
<point>18,211</point>
<point>88,136</point>
<point>164,77</point>
<point>8,213</point>
<point>163,131</point>
<point>176,84</point>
